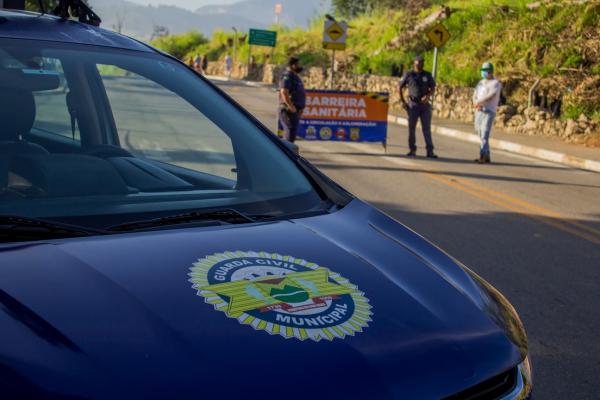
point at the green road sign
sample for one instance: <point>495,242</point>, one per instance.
<point>259,37</point>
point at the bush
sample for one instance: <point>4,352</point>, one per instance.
<point>527,43</point>
<point>180,45</point>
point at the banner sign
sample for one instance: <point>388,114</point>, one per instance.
<point>344,116</point>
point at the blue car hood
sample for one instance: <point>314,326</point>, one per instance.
<point>147,316</point>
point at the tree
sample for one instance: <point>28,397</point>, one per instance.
<point>352,8</point>
<point>34,5</point>
<point>158,31</point>
<point>120,17</point>
<point>180,45</point>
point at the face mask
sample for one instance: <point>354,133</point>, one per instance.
<point>485,74</point>
<point>298,69</point>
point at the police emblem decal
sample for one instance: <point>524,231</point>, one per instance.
<point>325,133</point>
<point>282,295</point>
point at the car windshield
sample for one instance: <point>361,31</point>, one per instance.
<point>99,136</point>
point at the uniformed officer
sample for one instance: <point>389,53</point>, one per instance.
<point>292,99</point>
<point>421,86</point>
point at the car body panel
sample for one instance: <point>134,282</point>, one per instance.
<point>124,317</point>
<point>26,25</point>
<point>117,317</point>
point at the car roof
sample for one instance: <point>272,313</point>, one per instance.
<point>36,26</point>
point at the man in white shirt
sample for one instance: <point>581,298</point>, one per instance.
<point>485,102</point>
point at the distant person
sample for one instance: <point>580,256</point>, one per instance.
<point>421,87</point>
<point>397,71</point>
<point>485,102</point>
<point>204,64</point>
<point>197,63</point>
<point>228,65</point>
<point>292,99</point>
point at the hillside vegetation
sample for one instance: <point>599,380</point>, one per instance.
<point>555,41</point>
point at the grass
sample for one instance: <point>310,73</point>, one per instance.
<point>544,42</point>
<point>482,30</point>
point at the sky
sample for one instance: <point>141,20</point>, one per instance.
<point>189,4</point>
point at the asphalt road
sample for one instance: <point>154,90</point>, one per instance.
<point>531,228</point>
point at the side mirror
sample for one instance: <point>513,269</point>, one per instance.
<point>292,146</point>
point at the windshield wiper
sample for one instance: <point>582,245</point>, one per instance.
<point>226,216</point>
<point>214,217</point>
<point>20,229</point>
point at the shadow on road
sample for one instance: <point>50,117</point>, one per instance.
<point>445,160</point>
<point>550,276</point>
<point>335,166</point>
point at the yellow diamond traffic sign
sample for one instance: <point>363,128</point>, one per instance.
<point>334,35</point>
<point>335,31</point>
<point>438,35</point>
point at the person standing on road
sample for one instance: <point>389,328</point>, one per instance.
<point>292,99</point>
<point>421,87</point>
<point>228,65</point>
<point>197,62</point>
<point>485,102</point>
<point>205,64</point>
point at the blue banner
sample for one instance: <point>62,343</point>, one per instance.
<point>344,116</point>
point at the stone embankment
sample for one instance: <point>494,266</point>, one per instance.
<point>450,102</point>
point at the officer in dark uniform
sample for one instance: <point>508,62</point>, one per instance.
<point>292,99</point>
<point>421,86</point>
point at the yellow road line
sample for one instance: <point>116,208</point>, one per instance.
<point>533,207</point>
<point>487,196</point>
<point>502,200</point>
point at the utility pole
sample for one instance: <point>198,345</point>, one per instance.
<point>278,11</point>
<point>235,41</point>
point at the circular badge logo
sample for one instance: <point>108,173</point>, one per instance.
<point>282,295</point>
<point>311,132</point>
<point>340,134</point>
<point>325,133</point>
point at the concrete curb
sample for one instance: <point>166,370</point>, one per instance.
<point>512,147</point>
<point>247,83</point>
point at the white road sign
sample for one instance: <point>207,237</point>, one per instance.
<point>334,35</point>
